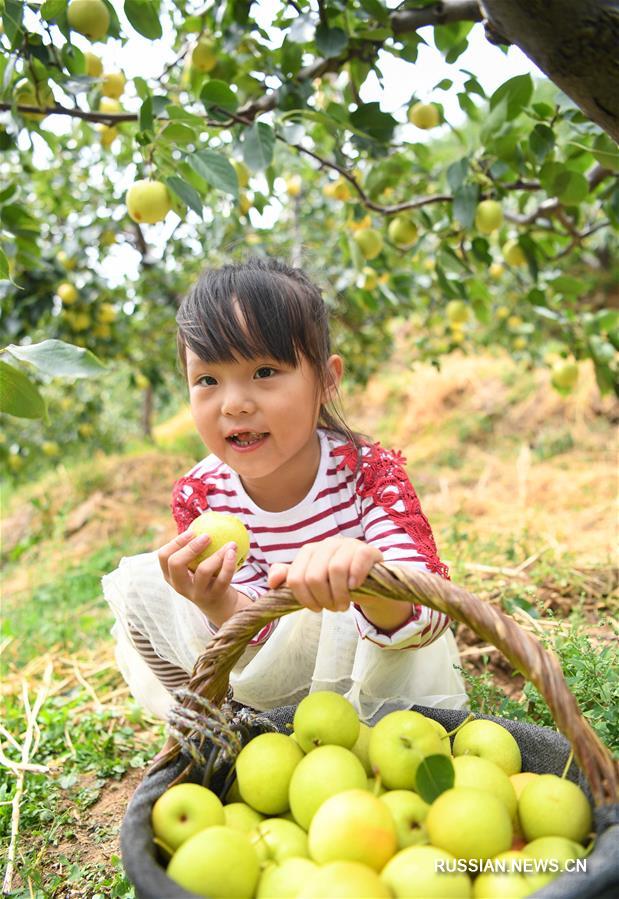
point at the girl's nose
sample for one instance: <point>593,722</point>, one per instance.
<point>236,401</point>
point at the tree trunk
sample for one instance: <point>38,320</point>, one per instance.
<point>574,42</point>
<point>147,413</point>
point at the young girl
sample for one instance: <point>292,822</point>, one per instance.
<point>322,505</point>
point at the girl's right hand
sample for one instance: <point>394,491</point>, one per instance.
<point>209,587</point>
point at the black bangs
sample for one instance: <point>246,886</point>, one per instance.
<point>254,310</point>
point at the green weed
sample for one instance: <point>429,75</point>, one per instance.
<point>68,610</point>
<point>591,673</point>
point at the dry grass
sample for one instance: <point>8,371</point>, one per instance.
<point>501,446</point>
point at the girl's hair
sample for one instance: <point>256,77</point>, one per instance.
<point>285,317</point>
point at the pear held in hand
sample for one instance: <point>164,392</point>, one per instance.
<point>221,528</point>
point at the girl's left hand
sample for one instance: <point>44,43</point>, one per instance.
<point>323,573</point>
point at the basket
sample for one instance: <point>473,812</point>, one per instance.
<point>543,749</point>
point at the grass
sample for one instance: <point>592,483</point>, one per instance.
<point>490,517</point>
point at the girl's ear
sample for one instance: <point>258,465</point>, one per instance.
<point>335,370</point>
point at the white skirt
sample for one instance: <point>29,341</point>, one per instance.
<point>307,651</point>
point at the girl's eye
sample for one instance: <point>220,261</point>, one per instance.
<point>265,372</point>
<point>206,381</point>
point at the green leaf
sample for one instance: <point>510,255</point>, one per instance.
<point>291,56</point>
<point>12,18</point>
<point>185,192</point>
<point>571,187</point>
<point>52,9</point>
<point>494,122</point>
<point>150,109</point>
<point>606,152</point>
<point>448,36</point>
<point>465,203</point>
<point>457,172</point>
<point>74,60</point>
<point>146,120</point>
<point>602,351</point>
<point>59,359</point>
<point>517,91</point>
<point>481,250</point>
<point>18,395</point>
<point>18,220</point>
<point>178,134</point>
<point>178,114</point>
<point>370,119</point>
<point>4,266</point>
<point>376,9</point>
<point>330,41</point>
<point>469,107</point>
<point>567,284</point>
<point>216,170</point>
<point>435,774</point>
<point>541,141</point>
<point>144,16</point>
<point>258,146</point>
<point>217,93</point>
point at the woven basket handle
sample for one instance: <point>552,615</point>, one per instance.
<point>391,581</point>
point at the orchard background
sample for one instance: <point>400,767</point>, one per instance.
<point>357,139</point>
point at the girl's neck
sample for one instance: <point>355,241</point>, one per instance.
<point>291,484</point>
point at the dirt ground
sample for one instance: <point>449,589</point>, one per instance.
<point>496,476</point>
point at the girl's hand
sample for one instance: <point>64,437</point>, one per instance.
<point>323,573</point>
<point>209,587</point>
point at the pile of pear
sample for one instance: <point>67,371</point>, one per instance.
<point>333,810</point>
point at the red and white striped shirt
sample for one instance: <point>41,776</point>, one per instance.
<point>377,504</point>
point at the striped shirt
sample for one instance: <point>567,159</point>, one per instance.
<point>374,502</point>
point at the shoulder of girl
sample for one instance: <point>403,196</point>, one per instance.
<point>370,453</point>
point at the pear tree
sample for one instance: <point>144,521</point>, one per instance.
<point>250,135</point>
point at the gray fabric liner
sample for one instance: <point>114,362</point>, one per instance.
<point>543,750</point>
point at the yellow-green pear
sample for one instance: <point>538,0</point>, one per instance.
<point>148,201</point>
<point>218,861</point>
<point>353,826</point>
<point>222,528</point>
<point>203,56</point>
<point>324,717</point>
<point>402,231</point>
<point>552,806</point>
<point>370,242</point>
<point>264,769</point>
<point>183,810</point>
<point>113,84</point>
<point>513,253</point>
<point>29,93</point>
<point>424,115</point>
<point>488,216</point>
<point>416,873</point>
<point>469,823</point>
<point>286,879</point>
<point>89,17</point>
<point>344,880</point>
<point>94,66</point>
<point>67,292</point>
<point>489,740</point>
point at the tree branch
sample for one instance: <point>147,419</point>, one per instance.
<point>104,118</point>
<point>441,13</point>
<point>553,206</point>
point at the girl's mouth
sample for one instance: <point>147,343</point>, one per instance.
<point>247,439</point>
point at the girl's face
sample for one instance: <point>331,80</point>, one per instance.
<point>259,416</point>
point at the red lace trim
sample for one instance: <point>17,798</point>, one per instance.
<point>383,478</point>
<point>186,508</point>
